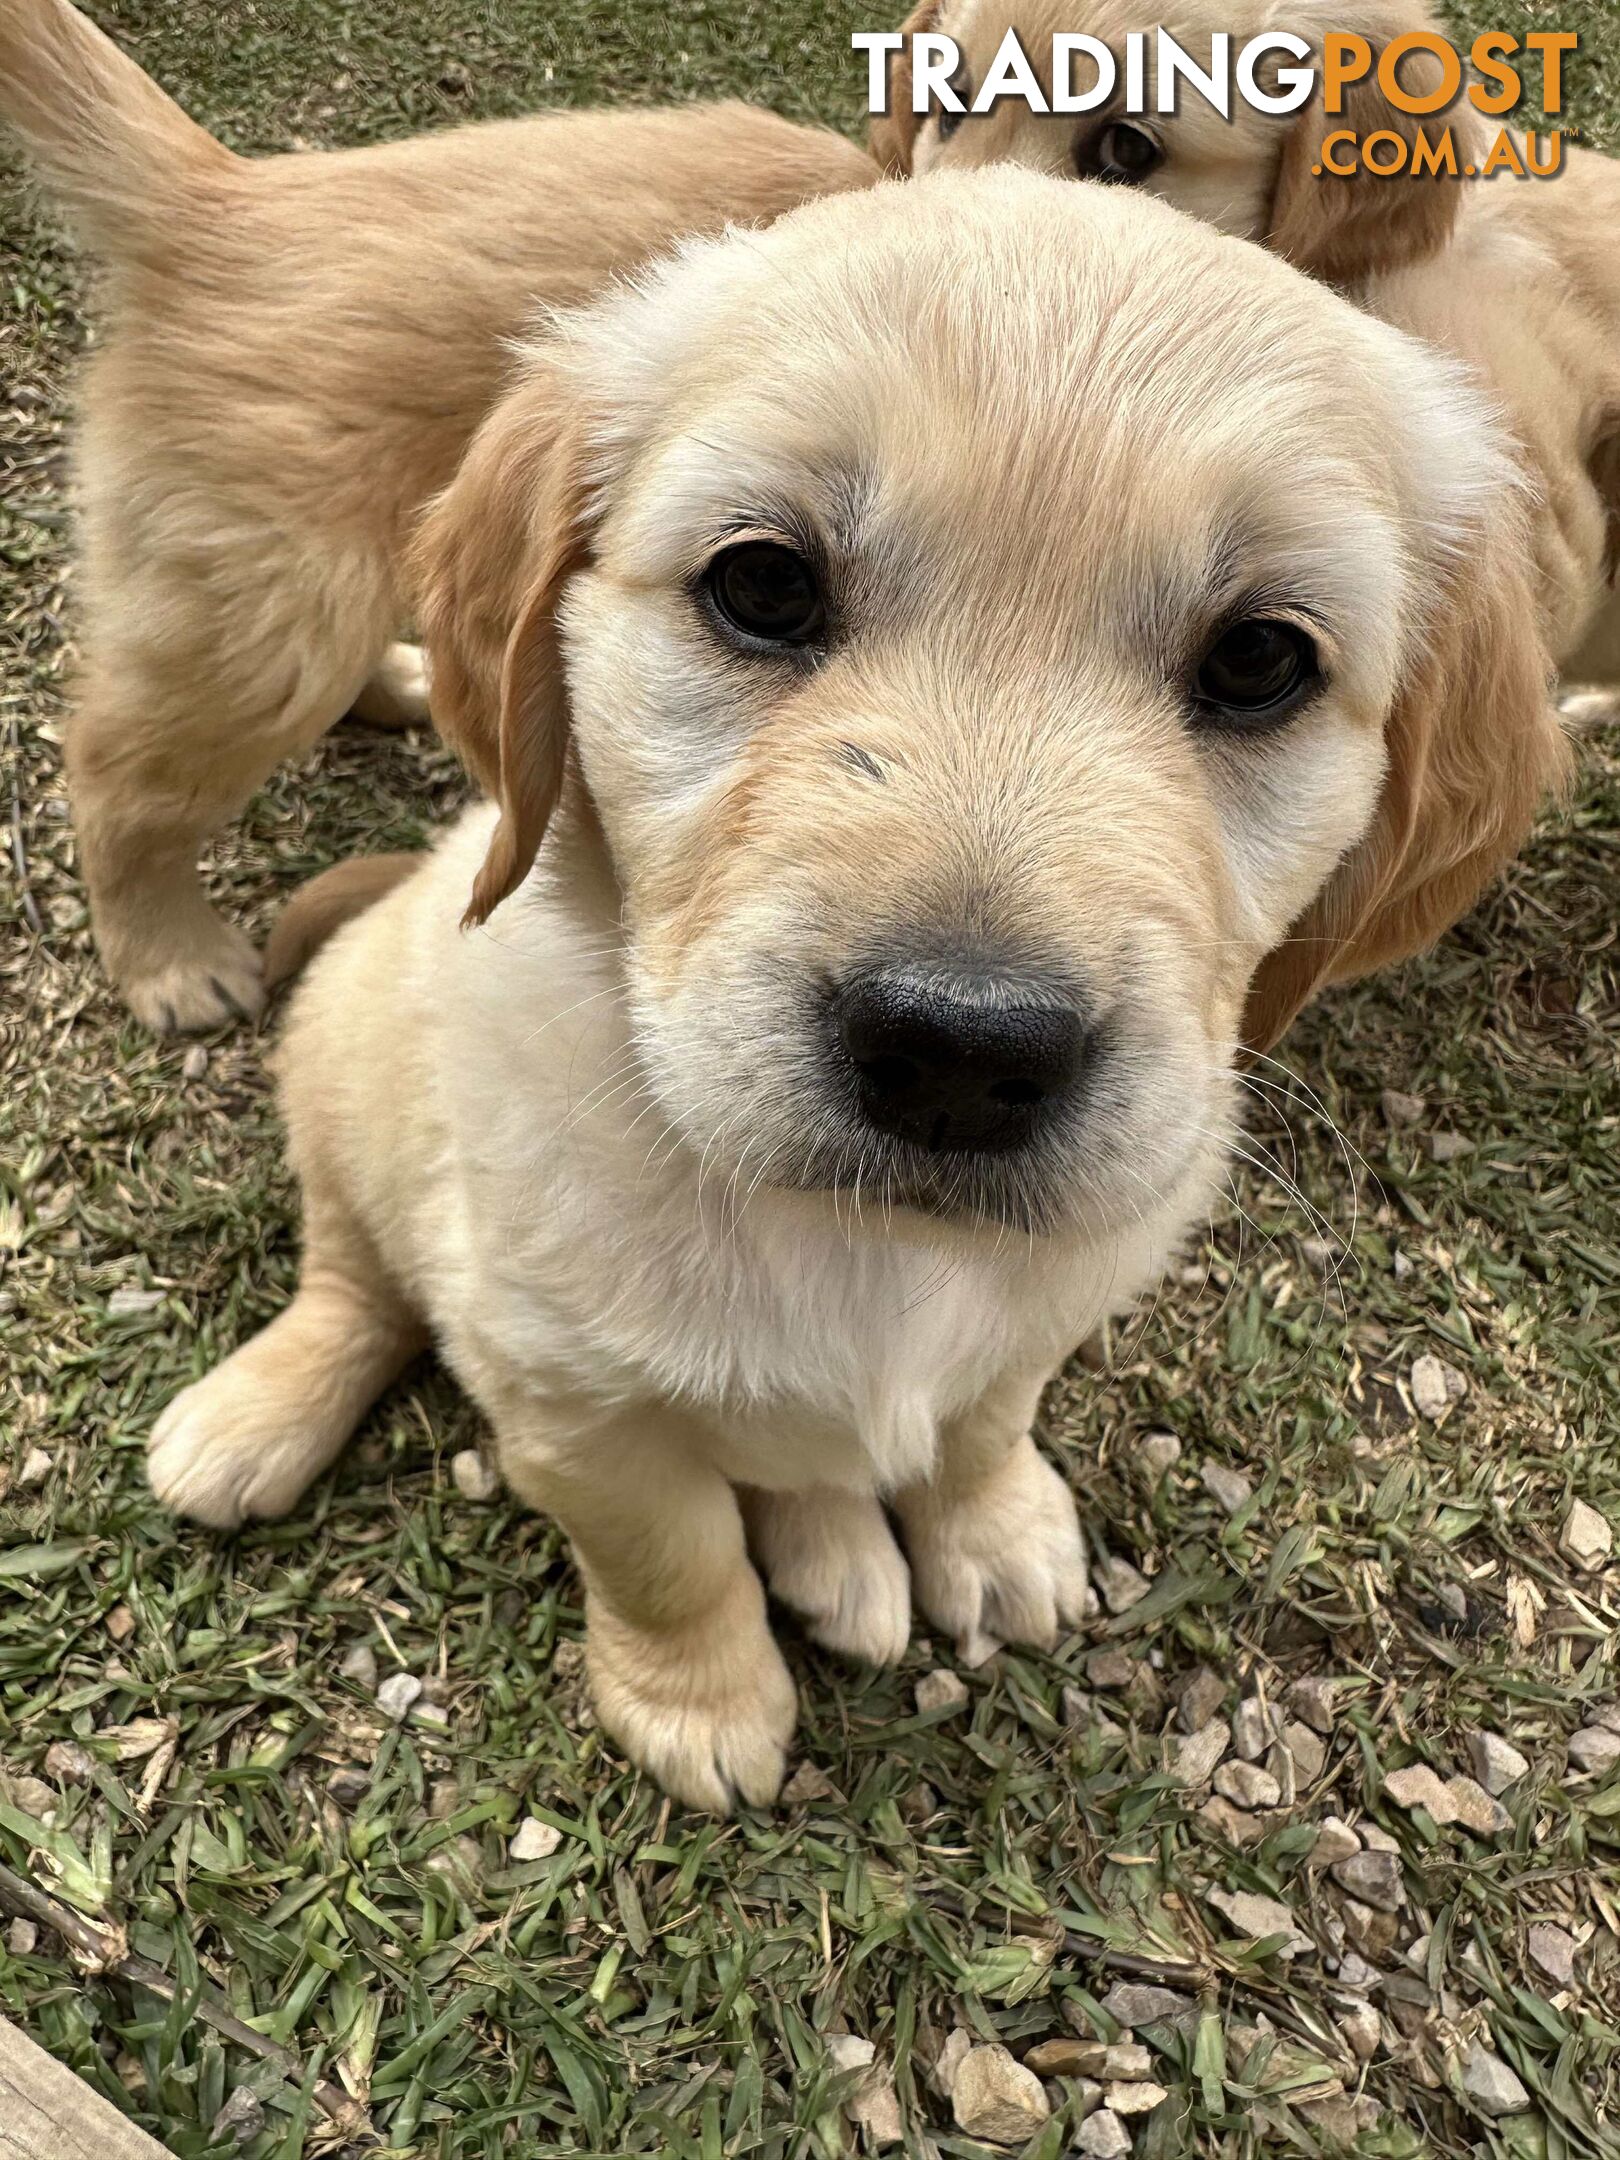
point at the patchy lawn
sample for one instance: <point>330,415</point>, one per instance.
<point>472,1928</point>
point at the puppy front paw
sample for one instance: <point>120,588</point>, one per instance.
<point>831,1556</point>
<point>226,1451</point>
<point>707,1708</point>
<point>1004,1562</point>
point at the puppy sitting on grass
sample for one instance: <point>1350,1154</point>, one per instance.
<point>944,652</point>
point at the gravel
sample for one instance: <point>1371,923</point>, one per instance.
<point>996,2098</point>
<point>397,1694</point>
<point>941,1690</point>
<point>1372,1878</point>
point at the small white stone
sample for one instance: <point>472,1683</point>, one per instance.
<point>940,1690</point>
<point>1403,1264</point>
<point>1400,1108</point>
<point>1493,2087</point>
<point>1125,2060</point>
<point>1197,1753</point>
<point>431,1714</point>
<point>1246,1785</point>
<point>1553,1949</point>
<point>474,1478</point>
<point>1419,1786</point>
<point>1448,1147</point>
<point>1311,1700</point>
<point>1257,1917</point>
<point>1472,1806</point>
<point>194,1065</point>
<point>953,2052</point>
<point>1497,1764</point>
<point>1373,1878</point>
<point>1586,1537</point>
<point>1363,2030</point>
<point>1228,1487</point>
<point>1136,2003</point>
<point>1155,1453</point>
<point>360,1665</point>
<point>1102,2136</point>
<point>533,1840</point>
<point>997,2099</point>
<point>807,1785</point>
<point>1134,2098</point>
<point>1334,1841</point>
<point>1594,1749</point>
<point>36,1467</point>
<point>1435,1387</point>
<point>848,2051</point>
<point>1119,1585</point>
<point>1253,1728</point>
<point>874,2106</point>
<point>397,1693</point>
<point>1200,1696</point>
<point>1305,1751</point>
<point>22,1937</point>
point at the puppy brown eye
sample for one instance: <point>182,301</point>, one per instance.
<point>950,121</point>
<point>1121,154</point>
<point>1255,674</point>
<point>766,593</point>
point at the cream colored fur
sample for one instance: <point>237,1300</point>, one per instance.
<point>592,1146</point>
<point>1520,278</point>
<point>293,353</point>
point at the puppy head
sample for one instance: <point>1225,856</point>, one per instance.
<point>1253,175</point>
<point>988,675</point>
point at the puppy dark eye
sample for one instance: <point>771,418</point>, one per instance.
<point>1255,674</point>
<point>950,121</point>
<point>767,593</point>
<point>1121,154</point>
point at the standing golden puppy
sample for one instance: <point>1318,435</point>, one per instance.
<point>949,652</point>
<point>1520,278</point>
<point>294,353</point>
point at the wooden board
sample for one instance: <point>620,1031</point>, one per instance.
<point>46,2113</point>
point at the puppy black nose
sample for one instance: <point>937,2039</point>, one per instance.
<point>958,1057</point>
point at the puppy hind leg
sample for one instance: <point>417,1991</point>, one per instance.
<point>831,1556</point>
<point>168,742</point>
<point>247,1440</point>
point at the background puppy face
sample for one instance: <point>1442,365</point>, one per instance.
<point>1250,175</point>
<point>978,657</point>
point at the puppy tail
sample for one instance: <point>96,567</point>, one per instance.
<point>115,150</point>
<point>324,905</point>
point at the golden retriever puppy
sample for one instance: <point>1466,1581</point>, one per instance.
<point>945,680</point>
<point>294,354</point>
<point>1519,278</point>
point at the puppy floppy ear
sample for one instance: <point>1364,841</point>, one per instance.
<point>491,561</point>
<point>1345,227</point>
<point>1473,745</point>
<point>893,133</point>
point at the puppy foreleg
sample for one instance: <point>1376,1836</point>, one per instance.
<point>683,1669</point>
<point>831,1555</point>
<point>248,1439</point>
<point>994,1535</point>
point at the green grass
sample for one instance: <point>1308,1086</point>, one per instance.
<point>664,1984</point>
